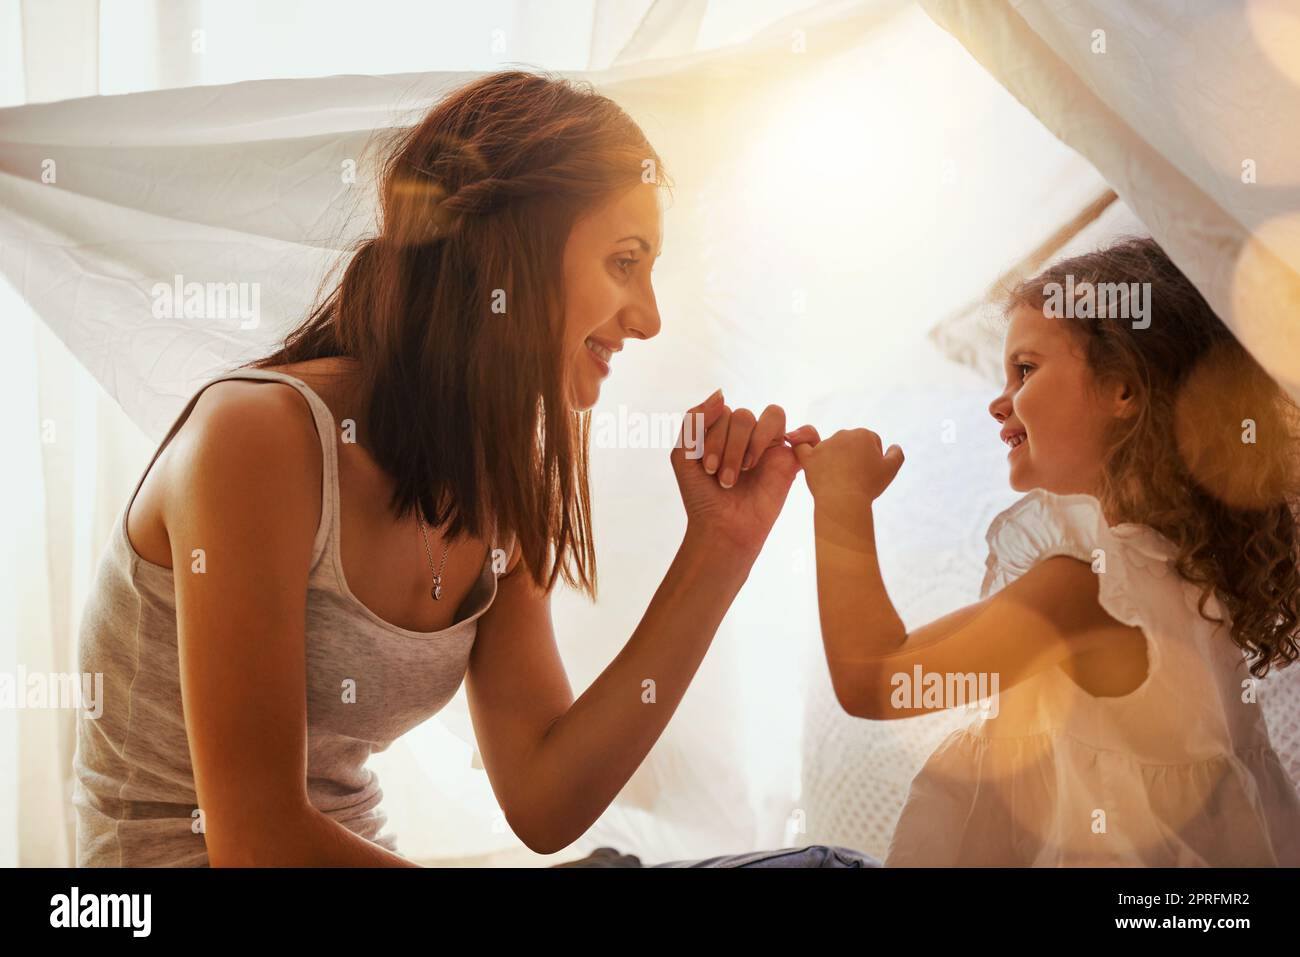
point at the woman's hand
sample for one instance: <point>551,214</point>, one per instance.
<point>851,465</point>
<point>737,474</point>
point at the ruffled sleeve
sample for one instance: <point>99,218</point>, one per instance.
<point>1042,525</point>
<point>1182,765</point>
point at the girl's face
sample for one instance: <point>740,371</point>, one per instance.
<point>608,294</point>
<point>1054,414</point>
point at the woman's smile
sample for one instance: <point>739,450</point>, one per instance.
<point>608,290</point>
<point>600,353</point>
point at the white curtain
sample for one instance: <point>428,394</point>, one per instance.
<point>847,176</point>
<point>73,449</point>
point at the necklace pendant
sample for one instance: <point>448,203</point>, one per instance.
<point>436,592</point>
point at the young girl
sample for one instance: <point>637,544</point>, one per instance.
<point>1132,598</point>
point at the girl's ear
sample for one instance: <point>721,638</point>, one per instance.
<point>1125,400</point>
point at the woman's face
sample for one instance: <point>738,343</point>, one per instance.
<point>1054,414</point>
<point>607,290</point>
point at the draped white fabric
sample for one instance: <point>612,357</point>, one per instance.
<point>846,176</point>
<point>1190,112</point>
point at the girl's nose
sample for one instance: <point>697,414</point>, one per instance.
<point>1000,407</point>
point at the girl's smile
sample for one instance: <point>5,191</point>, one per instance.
<point>1055,416</point>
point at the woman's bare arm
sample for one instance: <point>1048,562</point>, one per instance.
<point>242,506</point>
<point>556,763</point>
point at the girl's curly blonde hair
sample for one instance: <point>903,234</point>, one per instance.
<point>1210,460</point>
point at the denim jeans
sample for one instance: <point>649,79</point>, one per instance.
<point>815,855</point>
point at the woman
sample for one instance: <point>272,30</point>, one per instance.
<point>384,505</point>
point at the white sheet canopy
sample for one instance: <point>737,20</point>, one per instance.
<point>1188,111</point>
<point>846,175</point>
<point>1191,112</point>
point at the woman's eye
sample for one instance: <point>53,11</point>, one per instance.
<point>624,263</point>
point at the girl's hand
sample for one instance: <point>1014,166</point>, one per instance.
<point>737,474</point>
<point>851,464</point>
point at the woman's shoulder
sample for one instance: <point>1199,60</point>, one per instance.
<point>238,420</point>
<point>237,436</point>
<point>240,433</point>
<point>248,477</point>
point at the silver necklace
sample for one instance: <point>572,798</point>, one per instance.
<point>436,590</point>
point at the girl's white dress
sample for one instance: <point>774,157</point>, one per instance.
<point>1180,772</point>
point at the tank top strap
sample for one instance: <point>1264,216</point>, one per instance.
<point>326,431</point>
<point>324,421</point>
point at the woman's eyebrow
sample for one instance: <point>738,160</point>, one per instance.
<point>645,246</point>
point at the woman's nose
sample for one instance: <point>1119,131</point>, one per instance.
<point>642,320</point>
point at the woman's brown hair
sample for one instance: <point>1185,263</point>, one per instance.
<point>1210,459</point>
<point>455,312</point>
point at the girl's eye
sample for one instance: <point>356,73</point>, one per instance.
<point>1024,369</point>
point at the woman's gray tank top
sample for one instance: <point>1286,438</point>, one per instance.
<point>134,786</point>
